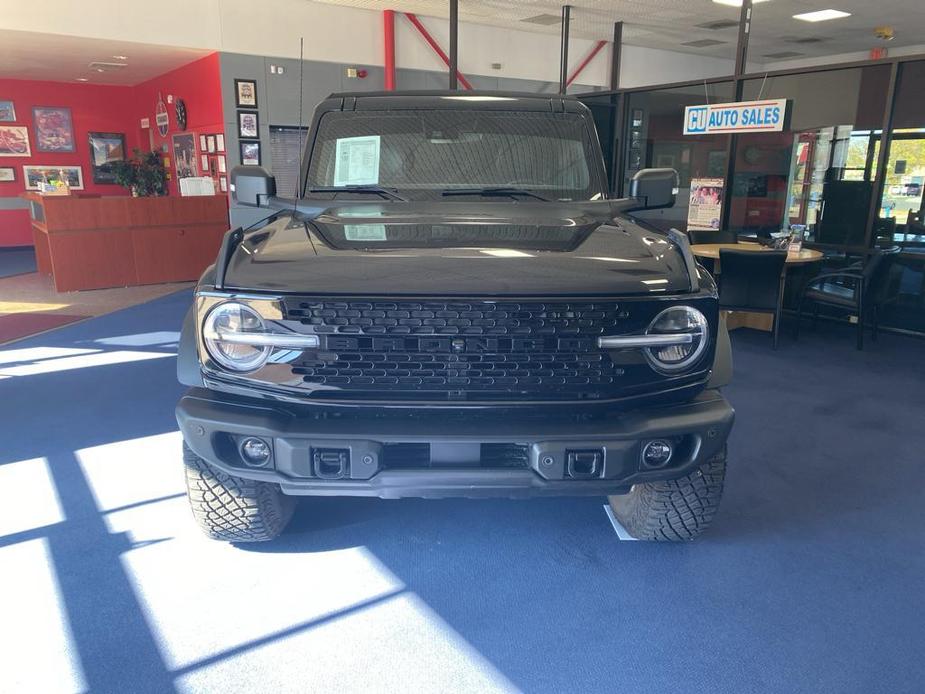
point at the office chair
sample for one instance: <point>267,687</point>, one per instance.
<point>752,281</point>
<point>862,290</point>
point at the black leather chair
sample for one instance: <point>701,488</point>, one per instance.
<point>858,289</point>
<point>701,236</point>
<point>752,281</point>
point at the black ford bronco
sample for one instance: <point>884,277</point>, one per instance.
<point>452,305</point>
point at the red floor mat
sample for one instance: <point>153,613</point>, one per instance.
<point>17,325</point>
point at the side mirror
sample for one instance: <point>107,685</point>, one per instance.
<point>251,183</point>
<point>654,189</point>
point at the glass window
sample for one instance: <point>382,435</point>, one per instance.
<point>856,31</point>
<point>425,153</point>
<point>285,151</point>
<point>819,172</point>
<point>655,126</point>
<point>901,207</point>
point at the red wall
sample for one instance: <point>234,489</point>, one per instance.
<point>199,85</point>
<point>94,108</point>
<point>97,108</point>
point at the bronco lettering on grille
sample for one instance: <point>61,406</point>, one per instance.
<point>472,345</point>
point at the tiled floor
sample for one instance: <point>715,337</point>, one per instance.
<point>35,293</point>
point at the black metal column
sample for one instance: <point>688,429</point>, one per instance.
<point>883,156</point>
<point>454,49</point>
<point>616,55</point>
<point>745,27</point>
<point>563,58</point>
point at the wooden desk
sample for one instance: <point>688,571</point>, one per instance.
<point>101,242</point>
<point>744,319</point>
<point>711,250</point>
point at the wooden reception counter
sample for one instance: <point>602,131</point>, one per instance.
<point>87,242</point>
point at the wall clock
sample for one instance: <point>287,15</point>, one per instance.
<point>180,107</point>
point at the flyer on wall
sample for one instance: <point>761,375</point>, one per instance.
<point>706,204</point>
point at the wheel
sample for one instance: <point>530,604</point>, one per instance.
<point>673,510</point>
<point>232,508</point>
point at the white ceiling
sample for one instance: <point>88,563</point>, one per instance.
<point>669,24</point>
<point>36,56</point>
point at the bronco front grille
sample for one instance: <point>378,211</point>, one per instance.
<point>467,349</point>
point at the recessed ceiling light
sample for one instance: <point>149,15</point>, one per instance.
<point>120,57</point>
<point>736,3</point>
<point>81,79</point>
<point>821,15</point>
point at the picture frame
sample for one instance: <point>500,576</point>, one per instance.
<point>7,174</point>
<point>223,184</point>
<point>210,144</point>
<point>105,150</point>
<point>245,93</point>
<point>54,129</point>
<point>184,155</point>
<point>248,125</point>
<point>202,143</point>
<point>250,153</point>
<point>220,142</point>
<point>204,162</point>
<point>33,175</point>
<point>7,111</point>
<point>14,141</point>
<point>220,160</point>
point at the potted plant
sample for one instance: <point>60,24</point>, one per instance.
<point>144,174</point>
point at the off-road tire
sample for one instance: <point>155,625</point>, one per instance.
<point>232,508</point>
<point>673,510</point>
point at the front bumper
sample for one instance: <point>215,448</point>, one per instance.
<point>213,424</point>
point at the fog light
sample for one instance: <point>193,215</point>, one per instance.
<point>256,452</point>
<point>657,453</point>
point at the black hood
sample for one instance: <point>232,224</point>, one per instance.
<point>458,248</point>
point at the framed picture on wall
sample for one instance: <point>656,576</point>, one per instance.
<point>184,155</point>
<point>34,175</point>
<point>105,149</point>
<point>7,174</point>
<point>7,111</point>
<point>220,143</point>
<point>250,153</point>
<point>204,162</point>
<point>54,130</point>
<point>14,141</point>
<point>245,93</point>
<point>248,125</point>
<point>210,143</point>
<point>220,160</point>
<point>202,143</point>
<point>223,184</point>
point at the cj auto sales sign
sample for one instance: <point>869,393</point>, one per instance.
<point>738,117</point>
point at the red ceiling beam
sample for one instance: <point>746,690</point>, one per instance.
<point>584,63</point>
<point>436,46</point>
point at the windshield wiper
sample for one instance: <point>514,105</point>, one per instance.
<point>374,190</point>
<point>495,193</point>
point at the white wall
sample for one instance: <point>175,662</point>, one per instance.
<point>641,66</point>
<point>346,35</point>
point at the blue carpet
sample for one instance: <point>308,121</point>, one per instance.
<point>810,581</point>
<point>16,261</point>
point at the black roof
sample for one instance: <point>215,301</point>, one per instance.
<point>481,99</point>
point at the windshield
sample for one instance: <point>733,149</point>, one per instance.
<point>429,154</point>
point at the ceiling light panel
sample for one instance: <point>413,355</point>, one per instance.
<point>821,15</point>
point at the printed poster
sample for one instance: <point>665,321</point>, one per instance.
<point>356,161</point>
<point>706,204</point>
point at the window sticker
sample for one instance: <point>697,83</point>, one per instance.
<point>356,161</point>
<point>364,232</point>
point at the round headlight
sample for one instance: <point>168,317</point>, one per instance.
<point>225,321</point>
<point>678,320</point>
